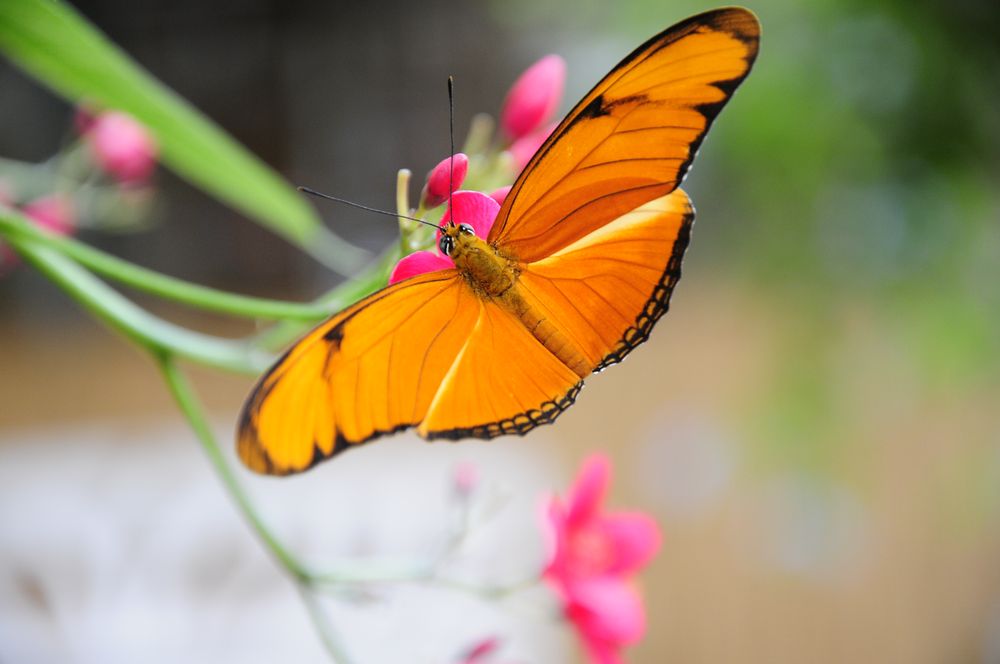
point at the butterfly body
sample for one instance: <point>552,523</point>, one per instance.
<point>493,277</point>
<point>577,268</point>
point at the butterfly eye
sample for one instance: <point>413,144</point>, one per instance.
<point>446,244</point>
<point>467,229</point>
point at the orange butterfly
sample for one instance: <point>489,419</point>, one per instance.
<point>576,270</point>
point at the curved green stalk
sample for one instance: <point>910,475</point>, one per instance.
<point>159,284</point>
<point>134,322</point>
<point>187,401</point>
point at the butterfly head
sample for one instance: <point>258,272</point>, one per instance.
<point>455,238</point>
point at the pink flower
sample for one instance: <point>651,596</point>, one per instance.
<point>594,555</point>
<point>468,207</point>
<point>500,195</point>
<point>534,97</point>
<point>122,146</point>
<point>53,213</point>
<point>441,181</point>
<point>524,148</point>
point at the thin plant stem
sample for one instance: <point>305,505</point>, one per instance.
<point>136,323</point>
<point>324,627</point>
<point>162,285</point>
<point>189,404</point>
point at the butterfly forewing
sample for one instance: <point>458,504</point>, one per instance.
<point>632,138</point>
<point>370,370</point>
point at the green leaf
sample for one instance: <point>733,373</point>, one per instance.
<point>52,42</point>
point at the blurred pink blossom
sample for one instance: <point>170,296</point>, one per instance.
<point>480,652</point>
<point>534,97</point>
<point>122,146</point>
<point>467,207</point>
<point>441,181</point>
<point>523,149</point>
<point>53,212</point>
<point>465,478</point>
<point>593,556</point>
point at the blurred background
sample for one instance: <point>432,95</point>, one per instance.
<point>814,424</point>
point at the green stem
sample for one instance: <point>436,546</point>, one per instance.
<point>136,323</point>
<point>164,286</point>
<point>323,627</point>
<point>187,401</point>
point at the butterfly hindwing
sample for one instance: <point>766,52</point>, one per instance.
<point>606,290</point>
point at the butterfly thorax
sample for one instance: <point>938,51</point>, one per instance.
<point>493,275</point>
<point>487,271</point>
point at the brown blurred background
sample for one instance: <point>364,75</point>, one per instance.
<point>814,424</point>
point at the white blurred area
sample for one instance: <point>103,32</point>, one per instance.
<point>120,545</point>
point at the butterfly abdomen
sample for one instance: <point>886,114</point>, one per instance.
<point>545,331</point>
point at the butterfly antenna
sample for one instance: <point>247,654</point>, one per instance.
<point>451,137</point>
<point>313,192</point>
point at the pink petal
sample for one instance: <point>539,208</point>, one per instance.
<point>479,652</point>
<point>587,493</point>
<point>534,97</point>
<point>474,208</point>
<point>607,609</point>
<point>634,539</point>
<point>500,195</point>
<point>602,652</point>
<point>523,149</point>
<point>419,262</point>
<point>443,180</point>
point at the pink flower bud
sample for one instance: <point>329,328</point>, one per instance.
<point>523,149</point>
<point>122,146</point>
<point>441,177</point>
<point>534,97</point>
<point>466,478</point>
<point>500,195</point>
<point>54,213</point>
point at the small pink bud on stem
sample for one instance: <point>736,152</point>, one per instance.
<point>443,180</point>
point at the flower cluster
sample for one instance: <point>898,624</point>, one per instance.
<point>525,123</point>
<point>51,193</point>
